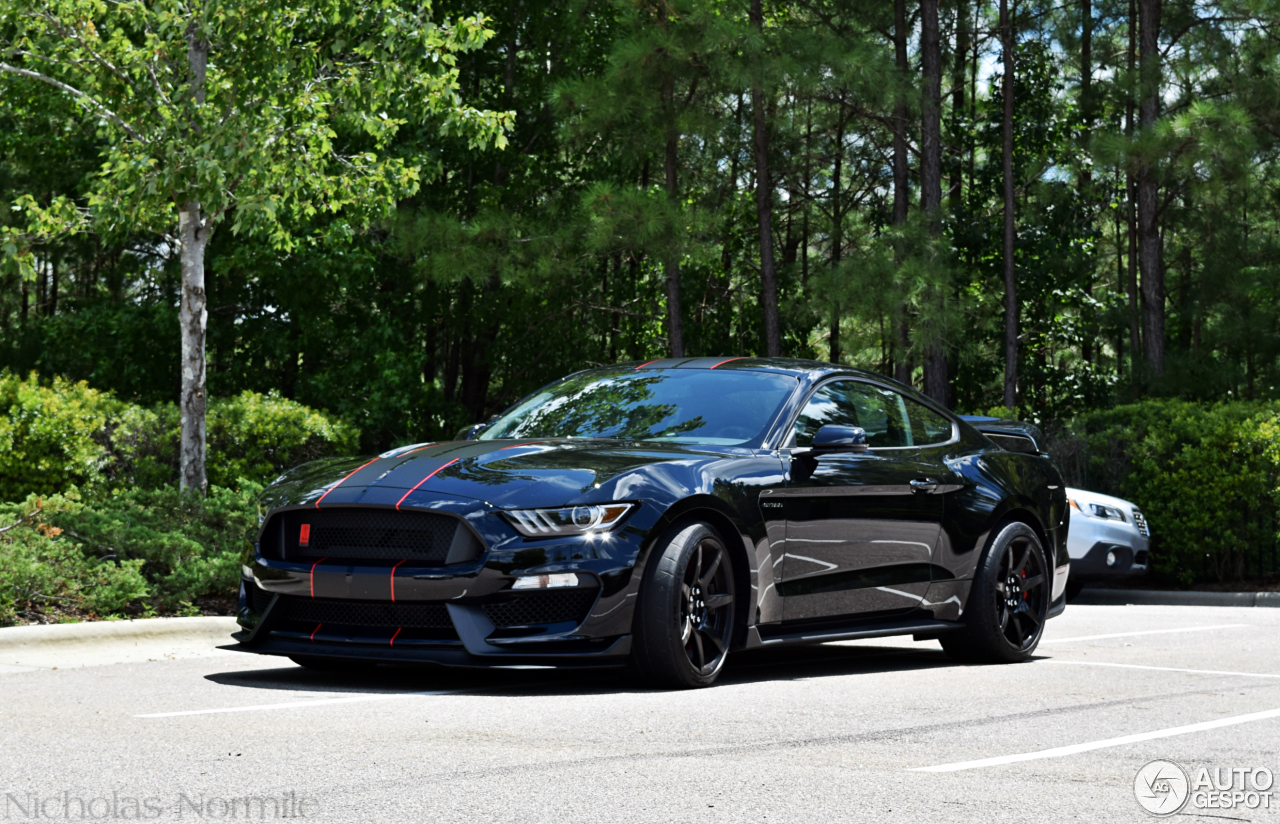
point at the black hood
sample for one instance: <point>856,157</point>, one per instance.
<point>503,473</point>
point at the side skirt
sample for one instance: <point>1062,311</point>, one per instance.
<point>766,636</point>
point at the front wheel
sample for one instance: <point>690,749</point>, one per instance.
<point>1008,603</point>
<point>684,618</point>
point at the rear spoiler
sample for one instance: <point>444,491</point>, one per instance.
<point>1014,436</point>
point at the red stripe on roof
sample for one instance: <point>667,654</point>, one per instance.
<point>313,575</point>
<point>423,481</point>
<point>393,582</point>
<point>341,482</point>
<point>723,362</point>
<point>646,363</point>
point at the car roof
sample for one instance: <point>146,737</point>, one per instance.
<point>797,367</point>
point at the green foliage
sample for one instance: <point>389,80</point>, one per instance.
<point>135,551</point>
<point>259,436</point>
<point>58,435</point>
<point>1206,476</point>
<point>53,436</point>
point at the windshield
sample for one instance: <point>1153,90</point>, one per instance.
<point>694,406</point>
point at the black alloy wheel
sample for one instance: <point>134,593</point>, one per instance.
<point>1008,603</point>
<point>685,615</point>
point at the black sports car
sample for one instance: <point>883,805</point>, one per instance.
<point>661,515</point>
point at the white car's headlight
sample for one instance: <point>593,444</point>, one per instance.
<point>567,520</point>
<point>1106,513</point>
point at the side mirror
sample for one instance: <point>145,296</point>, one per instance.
<point>468,433</point>
<point>836,438</point>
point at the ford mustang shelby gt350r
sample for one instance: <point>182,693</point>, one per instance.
<point>661,515</point>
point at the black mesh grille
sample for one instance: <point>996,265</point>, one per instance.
<point>539,608</point>
<point>360,534</point>
<point>362,613</point>
<point>258,598</point>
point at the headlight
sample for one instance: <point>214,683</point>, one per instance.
<point>1106,513</point>
<point>569,520</point>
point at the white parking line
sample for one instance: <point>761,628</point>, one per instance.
<point>1073,749</point>
<point>1142,632</point>
<point>1162,669</point>
<point>320,702</point>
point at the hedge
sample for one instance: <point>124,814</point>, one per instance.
<point>1207,477</point>
<point>58,434</point>
<point>92,523</point>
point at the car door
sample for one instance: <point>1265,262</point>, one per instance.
<point>861,527</point>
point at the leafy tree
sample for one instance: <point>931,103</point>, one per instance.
<point>259,110</point>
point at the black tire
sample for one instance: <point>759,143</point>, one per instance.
<point>320,664</point>
<point>1074,588</point>
<point>1008,603</point>
<point>685,613</point>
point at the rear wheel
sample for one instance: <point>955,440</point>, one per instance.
<point>1008,603</point>
<point>684,618</point>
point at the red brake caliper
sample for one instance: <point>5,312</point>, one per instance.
<point>1024,592</point>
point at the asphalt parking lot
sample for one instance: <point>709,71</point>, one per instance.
<point>867,731</point>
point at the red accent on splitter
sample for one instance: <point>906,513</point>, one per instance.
<point>314,631</point>
<point>393,582</point>
<point>392,642</point>
<point>341,482</point>
<point>421,482</point>
<point>313,576</point>
<point>304,535</point>
<point>723,362</point>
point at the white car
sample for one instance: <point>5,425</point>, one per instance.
<point>1108,539</point>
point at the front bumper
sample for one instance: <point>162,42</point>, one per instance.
<point>1093,566</point>
<point>461,615</point>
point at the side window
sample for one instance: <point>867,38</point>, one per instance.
<point>879,412</point>
<point>830,404</point>
<point>927,426</point>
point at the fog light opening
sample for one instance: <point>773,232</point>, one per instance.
<point>1111,558</point>
<point>560,579</point>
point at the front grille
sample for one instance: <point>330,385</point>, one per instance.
<point>541,608</point>
<point>1141,522</point>
<point>357,533</point>
<point>258,598</point>
<point>312,611</point>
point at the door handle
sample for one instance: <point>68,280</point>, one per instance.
<point>922,485</point>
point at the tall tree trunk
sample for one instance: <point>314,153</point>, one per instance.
<point>901,183</point>
<point>53,285</point>
<point>958,66</point>
<point>1149,251</point>
<point>1131,217</point>
<point>837,235</point>
<point>193,318</point>
<point>936,383</point>
<point>1010,273</point>
<point>1086,111</point>
<point>764,202</point>
<point>671,265</point>
<point>193,231</point>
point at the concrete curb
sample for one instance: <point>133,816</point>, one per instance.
<point>68,635</point>
<point>1151,597</point>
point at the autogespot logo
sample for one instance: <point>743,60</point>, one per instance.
<point>1162,787</point>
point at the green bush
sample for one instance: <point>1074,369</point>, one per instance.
<point>60,434</point>
<point>43,572</point>
<point>1205,476</point>
<point>54,436</point>
<point>133,551</point>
